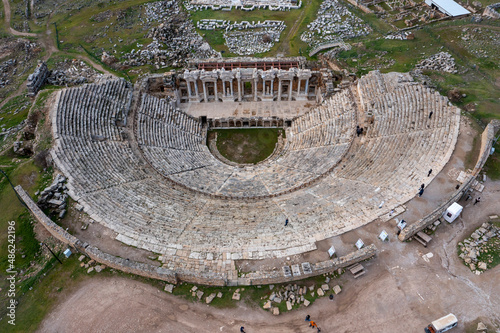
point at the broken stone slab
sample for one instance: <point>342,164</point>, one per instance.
<point>482,265</point>
<point>199,294</point>
<point>194,288</point>
<point>210,298</point>
<point>320,292</point>
<point>90,270</point>
<point>98,269</point>
<point>236,296</point>
<point>481,326</point>
<point>337,289</point>
<point>169,288</point>
<point>219,295</point>
<point>325,287</point>
<point>276,311</point>
<point>267,305</point>
<point>80,258</point>
<point>288,306</point>
<point>271,286</point>
<point>277,300</point>
<point>306,302</point>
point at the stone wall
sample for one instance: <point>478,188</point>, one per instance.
<point>130,266</point>
<point>486,144</point>
<point>37,79</point>
<point>51,226</point>
<point>328,266</point>
<point>491,11</point>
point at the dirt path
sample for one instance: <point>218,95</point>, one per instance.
<point>7,22</point>
<point>401,292</point>
<point>48,43</point>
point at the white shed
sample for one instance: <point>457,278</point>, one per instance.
<point>453,212</point>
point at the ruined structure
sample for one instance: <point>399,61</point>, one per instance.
<point>37,79</point>
<point>153,181</point>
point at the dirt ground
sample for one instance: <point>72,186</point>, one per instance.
<point>400,292</point>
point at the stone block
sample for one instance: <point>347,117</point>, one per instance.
<point>98,269</point>
<point>199,294</point>
<point>210,298</point>
<point>306,302</point>
<point>236,296</point>
<point>482,265</point>
<point>90,270</point>
<point>219,295</point>
<point>267,305</point>
<point>337,289</point>
<point>320,292</point>
<point>325,287</point>
<point>169,288</point>
<point>288,306</point>
<point>80,258</point>
<point>481,326</point>
<point>276,311</point>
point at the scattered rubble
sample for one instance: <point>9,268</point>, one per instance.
<point>54,196</point>
<point>72,72</point>
<point>442,61</point>
<point>334,22</point>
<point>479,249</point>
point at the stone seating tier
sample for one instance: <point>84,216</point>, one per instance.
<point>195,231</point>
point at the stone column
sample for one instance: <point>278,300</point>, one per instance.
<point>224,94</point>
<point>272,87</point>
<point>279,90</point>
<point>290,91</point>
<point>307,87</point>
<point>232,92</point>
<point>239,90</point>
<point>189,89</point>
<point>298,87</point>
<point>196,89</point>
<point>255,90</point>
<point>205,91</point>
<point>215,91</point>
<point>264,87</point>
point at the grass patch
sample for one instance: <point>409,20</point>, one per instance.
<point>247,145</point>
<point>492,166</point>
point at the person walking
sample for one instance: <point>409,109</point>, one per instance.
<point>430,171</point>
<point>242,330</point>
<point>420,192</point>
<point>422,186</point>
<point>286,222</point>
<point>308,318</point>
<point>430,114</point>
<point>477,200</point>
<point>312,324</point>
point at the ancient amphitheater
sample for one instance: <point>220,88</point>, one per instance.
<point>142,168</point>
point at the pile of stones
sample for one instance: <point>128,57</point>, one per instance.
<point>246,5</point>
<point>90,266</point>
<point>212,24</point>
<point>7,68</point>
<point>483,242</point>
<point>442,61</point>
<point>334,22</point>
<point>175,40</point>
<point>55,196</point>
<point>400,35</point>
<point>252,42</point>
<point>294,294</point>
<point>6,133</point>
<point>251,37</point>
<point>72,72</point>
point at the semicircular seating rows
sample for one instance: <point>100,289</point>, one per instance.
<point>197,233</point>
